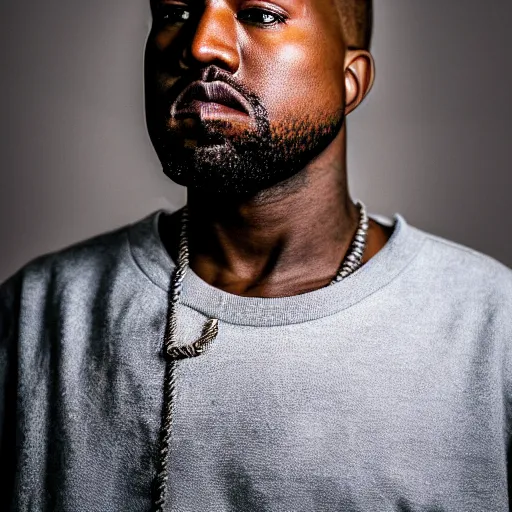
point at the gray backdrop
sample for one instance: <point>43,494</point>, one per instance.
<point>431,142</point>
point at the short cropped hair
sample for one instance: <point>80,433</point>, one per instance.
<point>357,20</point>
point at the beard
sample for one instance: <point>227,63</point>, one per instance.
<point>228,160</point>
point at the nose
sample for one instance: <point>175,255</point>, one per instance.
<point>214,40</point>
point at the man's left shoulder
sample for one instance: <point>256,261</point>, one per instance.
<point>464,269</point>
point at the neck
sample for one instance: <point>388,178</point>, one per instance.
<point>287,240</point>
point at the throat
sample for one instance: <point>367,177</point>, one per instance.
<point>268,288</point>
<point>255,266</point>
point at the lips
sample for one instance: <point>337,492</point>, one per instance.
<point>214,92</point>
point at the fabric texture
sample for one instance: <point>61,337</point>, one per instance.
<point>388,391</point>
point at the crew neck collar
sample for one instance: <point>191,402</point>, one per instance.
<point>153,260</point>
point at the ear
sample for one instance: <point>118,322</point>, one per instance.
<point>359,77</point>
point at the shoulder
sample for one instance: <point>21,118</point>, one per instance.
<point>81,263</point>
<point>459,257</point>
<point>462,272</point>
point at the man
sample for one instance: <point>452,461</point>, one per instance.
<point>268,348</point>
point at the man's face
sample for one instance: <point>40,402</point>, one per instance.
<point>241,95</point>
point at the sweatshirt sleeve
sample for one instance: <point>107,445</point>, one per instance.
<point>9,316</point>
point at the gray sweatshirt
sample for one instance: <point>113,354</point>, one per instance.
<point>389,391</point>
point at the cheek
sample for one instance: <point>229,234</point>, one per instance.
<point>298,78</point>
<point>163,38</point>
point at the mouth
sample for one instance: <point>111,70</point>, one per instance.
<point>209,98</point>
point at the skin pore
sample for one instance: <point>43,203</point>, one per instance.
<point>270,212</point>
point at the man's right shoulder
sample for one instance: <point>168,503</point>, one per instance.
<point>81,263</point>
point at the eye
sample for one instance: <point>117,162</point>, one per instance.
<point>260,17</point>
<point>168,14</point>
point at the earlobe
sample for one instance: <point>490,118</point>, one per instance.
<point>359,78</point>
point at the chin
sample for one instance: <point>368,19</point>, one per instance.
<point>213,170</point>
<point>244,165</point>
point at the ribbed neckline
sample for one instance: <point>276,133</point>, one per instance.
<point>154,261</point>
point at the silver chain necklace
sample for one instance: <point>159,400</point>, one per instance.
<point>173,352</point>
